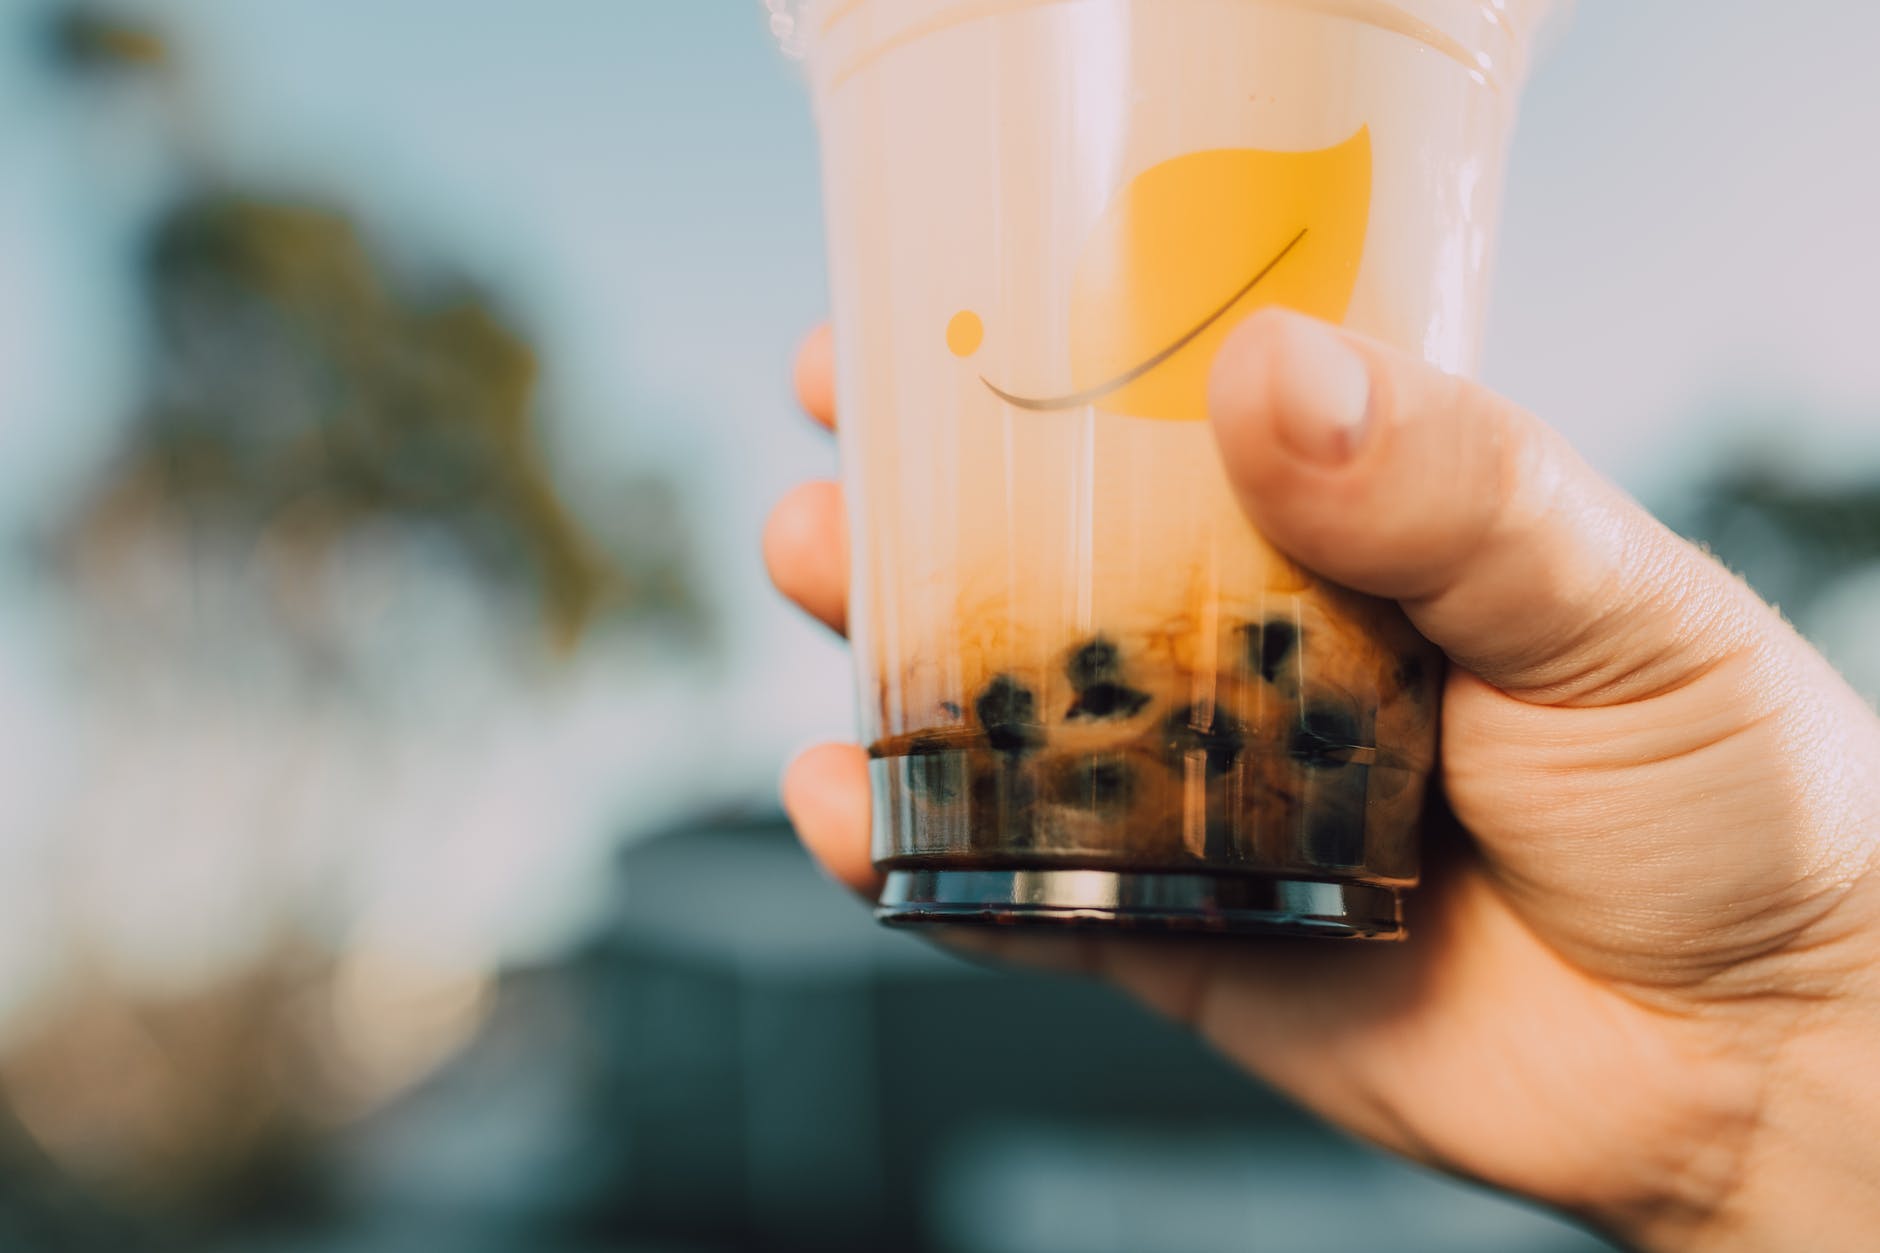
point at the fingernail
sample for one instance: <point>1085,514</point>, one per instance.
<point>1323,394</point>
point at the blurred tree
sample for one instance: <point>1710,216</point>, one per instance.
<point>1791,536</point>
<point>303,381</point>
<point>82,40</point>
<point>302,392</point>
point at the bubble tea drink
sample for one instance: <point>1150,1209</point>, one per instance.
<point>1091,693</point>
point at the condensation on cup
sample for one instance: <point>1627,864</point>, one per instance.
<point>1091,694</point>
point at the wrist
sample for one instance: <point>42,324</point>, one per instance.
<point>1806,1175</point>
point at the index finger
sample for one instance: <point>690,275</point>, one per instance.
<point>816,376</point>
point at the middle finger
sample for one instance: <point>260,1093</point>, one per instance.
<point>806,550</point>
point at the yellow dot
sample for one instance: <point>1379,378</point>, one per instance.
<point>965,333</point>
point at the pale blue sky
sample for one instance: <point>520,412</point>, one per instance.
<point>1688,242</point>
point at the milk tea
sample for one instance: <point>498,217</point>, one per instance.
<point>1091,692</point>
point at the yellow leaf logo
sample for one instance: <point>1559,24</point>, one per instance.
<point>1186,252</point>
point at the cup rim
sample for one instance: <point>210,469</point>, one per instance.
<point>1491,39</point>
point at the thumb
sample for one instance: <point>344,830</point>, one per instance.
<point>1385,474</point>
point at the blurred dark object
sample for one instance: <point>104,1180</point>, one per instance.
<point>740,1059</point>
<point>1792,534</point>
<point>85,39</point>
<point>743,1060</point>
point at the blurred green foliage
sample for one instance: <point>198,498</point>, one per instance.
<point>306,387</point>
<point>1793,536</point>
<point>296,374</point>
<point>82,39</point>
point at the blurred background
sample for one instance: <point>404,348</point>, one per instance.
<point>390,396</point>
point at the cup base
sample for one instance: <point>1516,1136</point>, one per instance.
<point>1104,899</point>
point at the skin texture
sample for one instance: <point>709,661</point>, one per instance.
<point>1643,981</point>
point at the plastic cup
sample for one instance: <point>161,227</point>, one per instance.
<point>1091,693</point>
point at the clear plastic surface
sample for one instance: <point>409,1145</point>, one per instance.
<point>1045,216</point>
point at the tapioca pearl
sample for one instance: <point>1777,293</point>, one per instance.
<point>1270,645</point>
<point>1336,816</point>
<point>1095,663</point>
<point>1095,670</point>
<point>1215,733</point>
<point>1326,736</point>
<point>1413,676</point>
<point>1002,794</point>
<point>1008,714</point>
<point>1105,783</point>
<point>1335,837</point>
<point>1230,829</point>
<point>1108,700</point>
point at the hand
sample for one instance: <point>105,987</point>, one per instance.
<point>1644,986</point>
